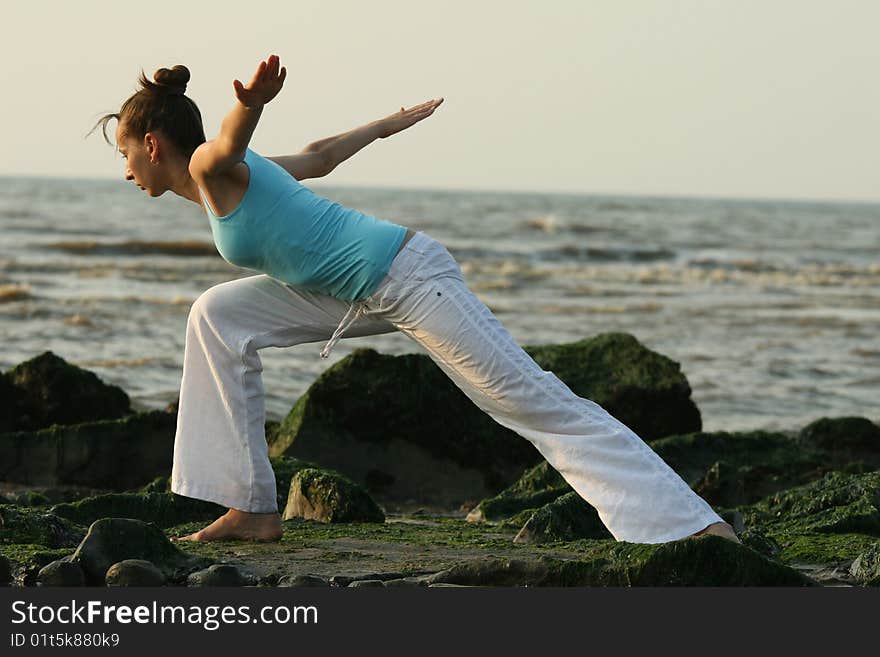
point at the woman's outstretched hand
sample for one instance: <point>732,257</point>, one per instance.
<point>403,119</point>
<point>264,86</point>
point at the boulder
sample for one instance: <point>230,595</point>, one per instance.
<point>297,581</point>
<point>52,391</point>
<point>399,426</point>
<point>111,540</point>
<point>221,574</point>
<point>567,518</point>
<point>163,509</point>
<point>109,454</point>
<point>329,497</point>
<point>61,572</point>
<point>134,572</point>
<point>844,441</point>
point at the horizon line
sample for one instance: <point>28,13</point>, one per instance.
<point>518,191</point>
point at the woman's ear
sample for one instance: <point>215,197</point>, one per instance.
<point>151,143</point>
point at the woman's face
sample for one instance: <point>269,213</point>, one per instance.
<point>141,164</point>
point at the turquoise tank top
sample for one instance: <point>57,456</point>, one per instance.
<point>285,230</point>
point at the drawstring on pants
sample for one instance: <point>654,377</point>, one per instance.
<point>355,311</point>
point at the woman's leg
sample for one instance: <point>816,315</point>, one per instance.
<point>220,450</point>
<point>637,495</point>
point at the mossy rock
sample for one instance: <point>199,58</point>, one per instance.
<point>866,567</point>
<point>398,425</point>
<point>163,509</point>
<point>702,561</point>
<point>538,486</point>
<point>329,497</point>
<point>55,392</point>
<point>736,468</point>
<point>838,503</point>
<point>643,389</point>
<point>566,518</point>
<point>111,540</point>
<point>27,525</point>
<point>113,455</point>
<point>27,559</point>
<point>844,440</point>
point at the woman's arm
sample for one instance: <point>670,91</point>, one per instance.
<point>320,157</point>
<point>228,148</point>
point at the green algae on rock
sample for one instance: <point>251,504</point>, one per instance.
<point>702,561</point>
<point>329,497</point>
<point>163,509</point>
<point>27,525</point>
<point>640,387</point>
<point>52,391</point>
<point>838,503</point>
<point>90,454</point>
<point>566,518</point>
<point>844,440</point>
<point>398,425</point>
<point>111,540</point>
<point>866,567</point>
<point>538,486</point>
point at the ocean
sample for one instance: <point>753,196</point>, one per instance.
<point>771,307</point>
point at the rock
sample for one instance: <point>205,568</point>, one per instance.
<point>90,454</point>
<point>565,519</point>
<point>407,582</point>
<point>367,583</point>
<point>399,426</point>
<point>163,509</point>
<point>61,572</point>
<point>844,440</point>
<point>221,574</point>
<point>866,567</point>
<point>160,484</point>
<point>26,525</point>
<point>56,392</point>
<point>5,571</point>
<point>707,560</point>
<point>111,540</point>
<point>539,485</point>
<point>492,571</point>
<point>838,503</point>
<point>642,388</point>
<point>329,497</point>
<point>134,572</point>
<point>303,581</point>
<point>729,469</point>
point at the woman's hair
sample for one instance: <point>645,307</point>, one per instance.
<point>160,105</point>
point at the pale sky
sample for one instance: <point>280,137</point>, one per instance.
<point>738,98</point>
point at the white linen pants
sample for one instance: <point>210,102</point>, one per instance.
<point>220,450</point>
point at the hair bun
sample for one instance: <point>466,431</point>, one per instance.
<point>174,79</point>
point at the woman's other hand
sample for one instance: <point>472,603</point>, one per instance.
<point>264,86</point>
<point>394,123</point>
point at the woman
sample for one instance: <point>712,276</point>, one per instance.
<point>330,271</point>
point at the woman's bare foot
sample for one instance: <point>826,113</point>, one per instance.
<point>721,529</point>
<point>239,525</point>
